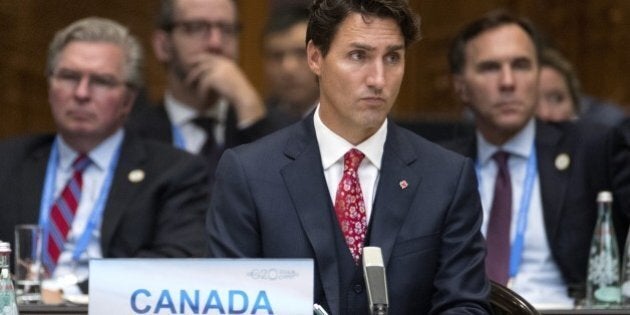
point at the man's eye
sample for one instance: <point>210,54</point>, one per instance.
<point>522,64</point>
<point>69,76</point>
<point>488,67</point>
<point>104,82</point>
<point>195,27</point>
<point>357,55</point>
<point>392,58</point>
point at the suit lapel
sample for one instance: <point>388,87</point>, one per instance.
<point>306,184</point>
<point>162,125</point>
<point>122,189</point>
<point>31,182</point>
<point>548,147</point>
<point>396,190</point>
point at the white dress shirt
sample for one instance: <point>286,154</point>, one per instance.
<point>194,137</point>
<point>538,279</point>
<point>68,272</point>
<point>333,147</point>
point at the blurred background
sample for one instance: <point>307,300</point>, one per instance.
<point>593,34</point>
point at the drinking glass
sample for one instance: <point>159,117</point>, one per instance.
<point>28,267</point>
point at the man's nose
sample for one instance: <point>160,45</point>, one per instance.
<point>376,75</point>
<point>82,90</point>
<point>507,77</point>
<point>214,40</point>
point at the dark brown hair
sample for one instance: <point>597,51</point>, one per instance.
<point>491,20</point>
<point>327,15</point>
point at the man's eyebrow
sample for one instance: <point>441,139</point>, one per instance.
<point>363,46</point>
<point>371,48</point>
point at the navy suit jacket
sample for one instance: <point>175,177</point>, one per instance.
<point>159,216</point>
<point>569,194</point>
<point>270,199</point>
<point>152,122</point>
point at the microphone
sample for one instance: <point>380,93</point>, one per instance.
<point>375,280</point>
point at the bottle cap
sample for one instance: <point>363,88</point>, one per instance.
<point>604,196</point>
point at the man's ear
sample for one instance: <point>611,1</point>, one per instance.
<point>461,89</point>
<point>161,45</point>
<point>130,100</point>
<point>314,57</point>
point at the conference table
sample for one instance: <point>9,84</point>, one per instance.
<point>42,309</point>
<point>586,312</point>
<point>82,309</point>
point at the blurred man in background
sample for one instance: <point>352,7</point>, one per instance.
<point>293,89</point>
<point>209,104</point>
<point>538,182</point>
<point>97,190</point>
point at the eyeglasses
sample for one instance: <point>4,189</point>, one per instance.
<point>201,29</point>
<point>97,83</point>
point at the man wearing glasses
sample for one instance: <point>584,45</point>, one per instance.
<point>95,189</point>
<point>209,104</point>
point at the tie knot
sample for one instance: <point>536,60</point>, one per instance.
<point>205,123</point>
<point>81,162</point>
<point>501,158</point>
<point>352,159</point>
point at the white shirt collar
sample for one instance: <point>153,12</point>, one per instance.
<point>101,155</point>
<point>520,144</point>
<point>332,147</point>
<point>180,114</point>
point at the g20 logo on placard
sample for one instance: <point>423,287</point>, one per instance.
<point>272,274</point>
<point>143,301</point>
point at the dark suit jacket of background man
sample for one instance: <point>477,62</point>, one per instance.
<point>152,122</point>
<point>271,200</point>
<point>160,216</point>
<point>569,195</point>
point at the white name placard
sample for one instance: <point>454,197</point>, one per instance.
<point>201,286</point>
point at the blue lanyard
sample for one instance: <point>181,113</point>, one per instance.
<point>97,212</point>
<point>516,250</point>
<point>178,138</point>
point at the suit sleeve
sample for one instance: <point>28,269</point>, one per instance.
<point>461,283</point>
<point>231,222</point>
<point>620,147</point>
<point>180,209</point>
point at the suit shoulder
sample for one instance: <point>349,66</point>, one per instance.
<point>26,141</point>
<point>274,142</point>
<point>580,132</point>
<point>23,145</point>
<point>162,151</point>
<point>151,122</point>
<point>430,150</point>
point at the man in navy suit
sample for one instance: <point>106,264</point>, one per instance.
<point>555,170</point>
<point>281,197</point>
<point>209,103</point>
<point>135,198</point>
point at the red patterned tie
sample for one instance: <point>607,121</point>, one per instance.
<point>63,211</point>
<point>349,204</point>
<point>498,234</point>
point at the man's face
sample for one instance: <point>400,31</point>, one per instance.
<point>87,91</point>
<point>201,27</point>
<point>360,76</point>
<point>289,76</point>
<point>554,102</point>
<point>500,80</point>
